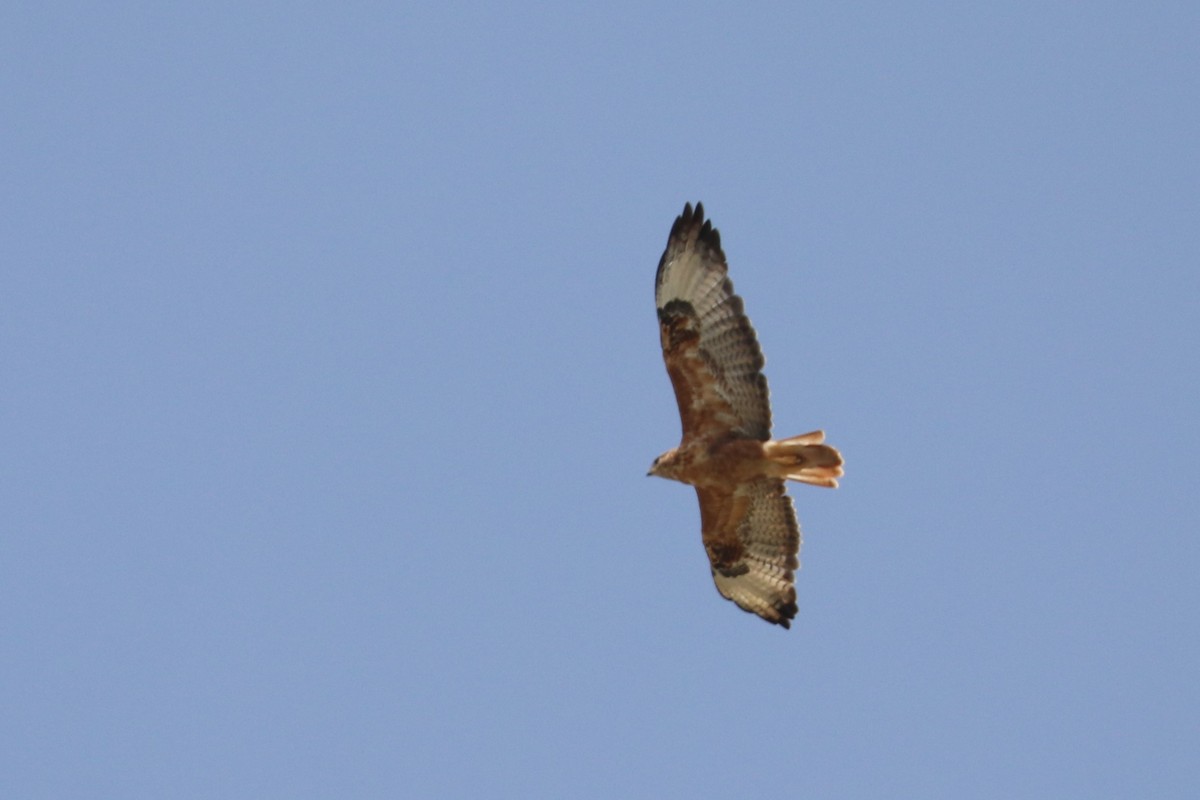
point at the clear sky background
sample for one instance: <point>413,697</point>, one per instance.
<point>331,376</point>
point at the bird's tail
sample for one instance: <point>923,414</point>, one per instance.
<point>805,458</point>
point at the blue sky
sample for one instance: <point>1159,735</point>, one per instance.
<point>331,379</point>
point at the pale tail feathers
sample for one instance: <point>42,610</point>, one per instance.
<point>806,458</point>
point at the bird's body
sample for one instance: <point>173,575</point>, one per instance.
<point>712,356</point>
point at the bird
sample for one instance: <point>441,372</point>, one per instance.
<point>747,520</point>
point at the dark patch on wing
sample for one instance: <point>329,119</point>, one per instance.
<point>678,323</point>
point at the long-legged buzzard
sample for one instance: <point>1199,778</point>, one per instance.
<point>747,520</point>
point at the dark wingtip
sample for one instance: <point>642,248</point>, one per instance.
<point>786,614</point>
<point>693,219</point>
<point>687,219</point>
<point>691,230</point>
<point>786,609</point>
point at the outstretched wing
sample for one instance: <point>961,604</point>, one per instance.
<point>709,346</point>
<point>752,540</point>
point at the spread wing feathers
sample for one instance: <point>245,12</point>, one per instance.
<point>752,540</point>
<point>709,346</point>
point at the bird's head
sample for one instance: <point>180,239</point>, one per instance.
<point>663,465</point>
